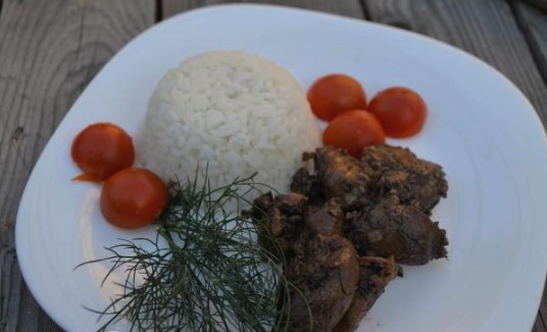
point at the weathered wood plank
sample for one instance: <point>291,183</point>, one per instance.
<point>543,309</point>
<point>542,4</point>
<point>541,320</point>
<point>342,7</point>
<point>50,49</point>
<point>486,28</point>
<point>539,324</point>
<point>533,23</point>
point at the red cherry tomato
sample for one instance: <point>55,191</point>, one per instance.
<point>401,111</point>
<point>133,197</point>
<point>101,150</point>
<point>334,94</point>
<point>353,131</point>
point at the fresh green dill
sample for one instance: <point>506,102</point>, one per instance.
<point>204,270</point>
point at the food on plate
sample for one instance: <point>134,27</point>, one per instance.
<point>130,197</point>
<point>202,270</point>
<point>232,255</point>
<point>326,270</point>
<point>388,228</point>
<point>324,266</point>
<point>101,150</point>
<point>336,174</point>
<point>401,111</point>
<point>231,112</point>
<point>375,274</point>
<point>382,170</point>
<point>416,182</point>
<point>382,218</point>
<point>343,233</point>
<point>133,197</point>
<point>334,94</point>
<point>353,131</point>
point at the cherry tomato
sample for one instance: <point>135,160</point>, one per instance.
<point>334,94</point>
<point>101,150</point>
<point>401,111</point>
<point>133,197</point>
<point>353,131</point>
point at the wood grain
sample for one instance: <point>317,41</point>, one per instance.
<point>533,23</point>
<point>350,8</point>
<point>541,321</point>
<point>540,4</point>
<point>50,49</point>
<point>485,28</point>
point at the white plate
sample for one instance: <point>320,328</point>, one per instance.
<point>480,128</point>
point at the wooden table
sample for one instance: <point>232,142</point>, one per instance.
<point>51,49</point>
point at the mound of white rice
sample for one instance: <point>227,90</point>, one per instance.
<point>236,112</point>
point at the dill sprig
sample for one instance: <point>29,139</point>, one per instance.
<point>204,270</point>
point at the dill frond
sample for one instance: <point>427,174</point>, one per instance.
<point>213,275</point>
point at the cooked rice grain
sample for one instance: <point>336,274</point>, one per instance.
<point>235,112</point>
